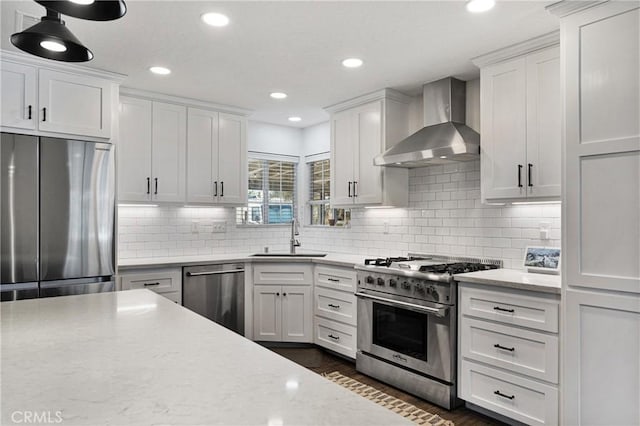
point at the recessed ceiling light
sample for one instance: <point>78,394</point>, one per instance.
<point>278,95</point>
<point>443,156</point>
<point>215,19</point>
<point>352,63</point>
<point>83,2</point>
<point>160,70</point>
<point>54,46</point>
<point>477,6</point>
<point>295,119</point>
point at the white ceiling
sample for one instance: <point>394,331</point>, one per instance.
<point>296,47</point>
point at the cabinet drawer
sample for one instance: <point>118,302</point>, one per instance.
<point>509,307</point>
<point>160,281</point>
<point>521,351</point>
<point>335,305</point>
<point>336,278</point>
<point>282,274</point>
<point>518,398</point>
<point>174,296</point>
<point>338,337</point>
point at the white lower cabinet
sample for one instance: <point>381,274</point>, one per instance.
<point>166,282</point>
<point>508,352</point>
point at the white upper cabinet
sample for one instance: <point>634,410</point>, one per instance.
<point>19,104</point>
<point>216,158</point>
<point>361,129</point>
<point>521,122</point>
<point>134,150</point>
<point>42,97</point>
<point>74,104</point>
<point>169,136</point>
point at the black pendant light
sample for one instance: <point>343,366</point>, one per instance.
<point>93,10</point>
<point>51,39</point>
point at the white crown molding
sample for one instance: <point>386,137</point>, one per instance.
<point>26,59</point>
<point>568,7</point>
<point>154,96</point>
<point>518,49</point>
<point>370,97</point>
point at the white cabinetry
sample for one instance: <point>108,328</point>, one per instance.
<point>520,122</point>
<point>50,99</point>
<point>151,151</point>
<point>282,305</point>
<point>509,352</point>
<point>335,309</point>
<point>361,129</point>
<point>216,158</point>
<point>600,212</point>
<point>166,282</point>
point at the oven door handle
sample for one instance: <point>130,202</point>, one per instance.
<point>439,312</point>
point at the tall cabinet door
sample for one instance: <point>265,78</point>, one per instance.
<point>134,150</point>
<point>503,124</point>
<point>232,160</point>
<point>267,313</point>
<point>601,215</point>
<point>168,154</point>
<point>74,104</point>
<point>342,152</point>
<point>18,96</point>
<point>544,121</point>
<point>296,314</point>
<point>202,155</point>
<point>368,141</point>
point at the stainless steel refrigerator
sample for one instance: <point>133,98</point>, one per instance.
<point>57,207</point>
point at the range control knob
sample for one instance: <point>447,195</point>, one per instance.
<point>380,281</point>
<point>419,288</point>
<point>434,293</point>
<point>369,280</point>
<point>392,283</point>
<point>405,285</point>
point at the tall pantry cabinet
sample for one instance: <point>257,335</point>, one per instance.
<point>601,212</point>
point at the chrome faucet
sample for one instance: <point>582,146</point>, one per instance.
<point>293,243</point>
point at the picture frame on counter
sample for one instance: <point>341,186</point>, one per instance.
<point>542,259</point>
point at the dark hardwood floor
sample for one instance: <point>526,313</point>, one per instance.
<point>322,361</point>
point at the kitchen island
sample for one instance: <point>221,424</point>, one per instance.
<point>136,358</point>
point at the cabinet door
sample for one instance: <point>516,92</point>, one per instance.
<point>74,104</point>
<point>297,315</point>
<point>544,121</point>
<point>18,96</point>
<point>368,144</point>
<point>503,125</point>
<point>232,160</point>
<point>202,156</point>
<point>169,132</point>
<point>134,150</point>
<point>342,153</point>
<point>267,313</point>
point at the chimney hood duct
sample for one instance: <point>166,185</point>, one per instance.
<point>445,138</point>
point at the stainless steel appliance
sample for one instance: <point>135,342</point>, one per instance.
<point>57,217</point>
<point>407,323</point>
<point>216,292</point>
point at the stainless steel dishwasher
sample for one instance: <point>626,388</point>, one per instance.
<point>216,292</point>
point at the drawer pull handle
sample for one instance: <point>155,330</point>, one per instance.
<point>150,284</point>
<point>498,308</point>
<point>334,337</point>
<point>333,280</point>
<point>504,348</point>
<point>503,395</point>
<point>331,305</point>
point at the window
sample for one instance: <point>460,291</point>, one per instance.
<point>320,194</point>
<point>271,193</point>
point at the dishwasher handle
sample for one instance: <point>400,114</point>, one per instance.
<point>198,274</point>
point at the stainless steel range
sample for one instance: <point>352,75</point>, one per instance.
<point>407,322</point>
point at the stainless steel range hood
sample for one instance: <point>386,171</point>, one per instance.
<point>445,138</point>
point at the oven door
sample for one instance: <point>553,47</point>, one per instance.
<point>415,336</point>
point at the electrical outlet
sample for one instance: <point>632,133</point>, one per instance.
<point>545,229</point>
<point>195,227</point>
<point>386,227</point>
<point>219,227</point>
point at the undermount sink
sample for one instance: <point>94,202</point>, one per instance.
<point>289,254</point>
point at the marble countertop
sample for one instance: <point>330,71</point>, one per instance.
<point>513,278</point>
<point>136,358</point>
<point>336,259</point>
